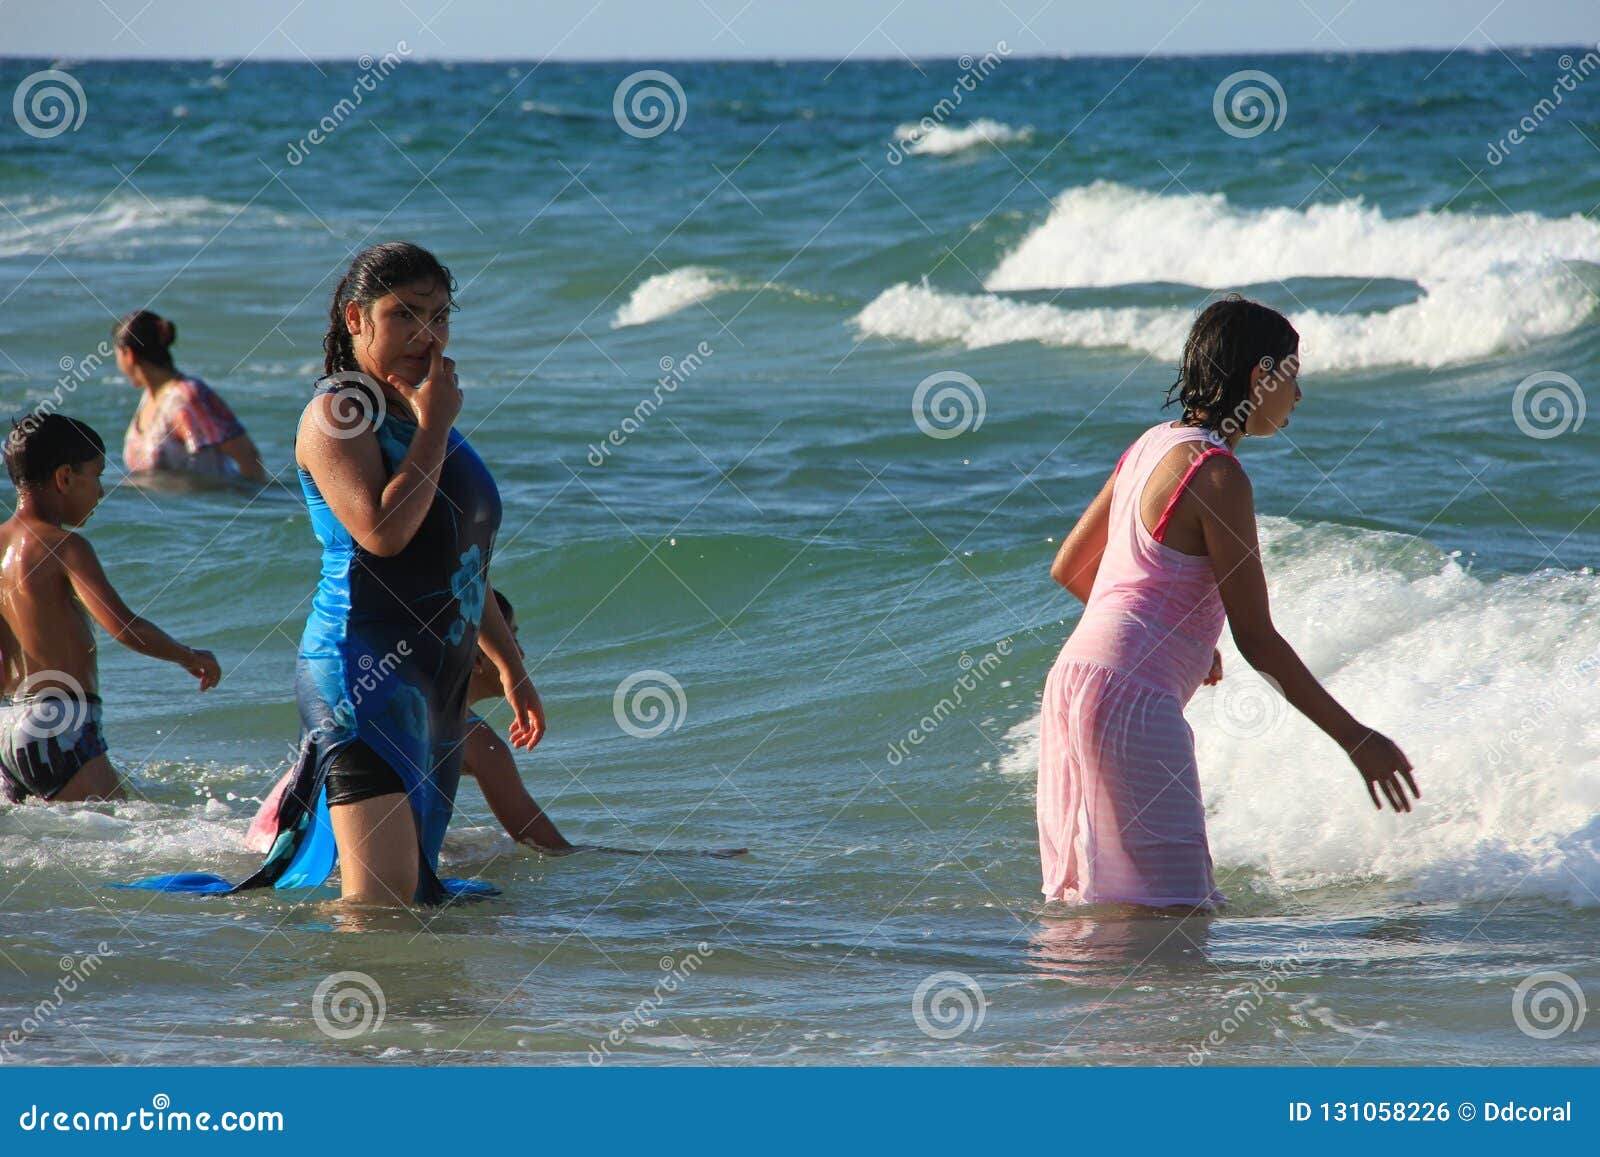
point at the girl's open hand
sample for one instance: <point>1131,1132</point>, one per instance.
<point>527,713</point>
<point>1383,765</point>
<point>1215,676</point>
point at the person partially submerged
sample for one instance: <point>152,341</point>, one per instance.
<point>485,757</point>
<point>51,586</point>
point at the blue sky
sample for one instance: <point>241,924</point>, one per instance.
<point>828,29</point>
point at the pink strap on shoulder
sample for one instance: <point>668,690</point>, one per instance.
<point>1177,493</point>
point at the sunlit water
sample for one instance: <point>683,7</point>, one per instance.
<point>782,538</point>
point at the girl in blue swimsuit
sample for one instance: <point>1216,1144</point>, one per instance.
<point>406,514</point>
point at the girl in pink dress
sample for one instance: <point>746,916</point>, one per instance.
<point>180,423</point>
<point>1163,555</point>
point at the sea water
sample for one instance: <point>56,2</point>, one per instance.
<point>790,406</point>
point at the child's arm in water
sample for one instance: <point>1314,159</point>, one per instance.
<point>133,631</point>
<point>1228,519</point>
<point>489,761</point>
<point>495,641</point>
<point>1078,560</point>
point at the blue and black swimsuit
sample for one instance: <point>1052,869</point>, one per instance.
<point>384,665</point>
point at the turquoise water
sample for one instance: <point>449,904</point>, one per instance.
<point>782,539</point>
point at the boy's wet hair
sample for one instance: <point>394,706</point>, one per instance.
<point>1230,338</point>
<point>40,443</point>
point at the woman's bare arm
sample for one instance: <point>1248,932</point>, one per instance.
<point>1228,519</point>
<point>382,513</point>
<point>1078,560</point>
<point>245,456</point>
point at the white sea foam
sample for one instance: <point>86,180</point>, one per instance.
<point>668,293</point>
<point>1487,283</point>
<point>1488,686</point>
<point>36,226</point>
<point>676,290</point>
<point>944,140</point>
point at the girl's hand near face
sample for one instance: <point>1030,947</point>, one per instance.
<point>436,400</point>
<point>1215,676</point>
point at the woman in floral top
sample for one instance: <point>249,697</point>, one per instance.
<point>181,424</point>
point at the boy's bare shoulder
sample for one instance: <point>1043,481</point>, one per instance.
<point>42,549</point>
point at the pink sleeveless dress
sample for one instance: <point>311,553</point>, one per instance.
<point>1120,814</point>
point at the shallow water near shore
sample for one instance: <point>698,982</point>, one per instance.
<point>818,575</point>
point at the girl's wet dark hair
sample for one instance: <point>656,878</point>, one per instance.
<point>1230,338</point>
<point>505,605</point>
<point>148,335</point>
<point>376,272</point>
<point>40,442</point>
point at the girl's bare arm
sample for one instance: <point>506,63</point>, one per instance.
<point>1078,560</point>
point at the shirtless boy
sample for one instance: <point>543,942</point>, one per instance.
<point>51,585</point>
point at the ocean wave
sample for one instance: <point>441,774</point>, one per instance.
<point>668,293</point>
<point>1487,283</point>
<point>37,226</point>
<point>1486,684</point>
<point>676,290</point>
<point>1457,322</point>
<point>945,140</point>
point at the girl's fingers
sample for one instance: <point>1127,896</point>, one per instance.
<point>1397,796</point>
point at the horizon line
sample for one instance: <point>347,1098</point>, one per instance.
<point>756,58</point>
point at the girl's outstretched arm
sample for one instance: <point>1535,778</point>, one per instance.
<point>1078,560</point>
<point>1228,519</point>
